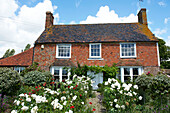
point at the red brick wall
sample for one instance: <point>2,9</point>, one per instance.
<point>45,57</point>
<point>146,54</point>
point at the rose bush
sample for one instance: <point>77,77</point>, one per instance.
<point>65,97</point>
<point>120,97</point>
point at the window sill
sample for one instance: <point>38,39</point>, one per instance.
<point>95,59</point>
<point>128,57</point>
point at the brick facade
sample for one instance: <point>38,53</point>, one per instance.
<point>146,55</point>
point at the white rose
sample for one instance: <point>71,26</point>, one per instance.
<point>82,102</point>
<point>123,106</point>
<point>115,100</point>
<point>140,97</point>
<point>135,86</point>
<point>28,99</point>
<point>65,102</point>
<point>106,83</point>
<point>14,111</point>
<point>24,108</point>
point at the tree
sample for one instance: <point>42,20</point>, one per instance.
<point>27,47</point>
<point>164,52</point>
<point>9,53</point>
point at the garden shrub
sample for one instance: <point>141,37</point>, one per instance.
<point>33,67</point>
<point>156,89</point>
<point>120,97</point>
<point>34,78</point>
<point>58,97</point>
<point>10,81</point>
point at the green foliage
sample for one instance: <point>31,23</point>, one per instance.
<point>120,97</point>
<point>155,88</point>
<point>27,47</point>
<point>35,78</point>
<point>57,97</point>
<point>164,52</point>
<point>33,67</point>
<point>9,53</point>
<point>109,72</point>
<point>165,64</point>
<point>9,81</point>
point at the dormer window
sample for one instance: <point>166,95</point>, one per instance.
<point>95,50</point>
<point>127,50</point>
<point>63,51</point>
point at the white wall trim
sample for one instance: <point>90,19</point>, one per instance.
<point>158,54</point>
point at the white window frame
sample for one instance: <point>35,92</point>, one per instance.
<point>90,50</point>
<point>20,69</point>
<point>140,71</point>
<point>60,68</point>
<point>128,56</point>
<point>58,51</point>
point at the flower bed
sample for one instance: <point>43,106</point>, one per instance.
<point>120,97</point>
<point>67,97</point>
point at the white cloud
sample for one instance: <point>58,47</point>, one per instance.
<point>162,3</point>
<point>78,3</point>
<point>166,20</point>
<point>104,15</point>
<point>19,30</point>
<point>168,41</point>
<point>72,22</point>
<point>159,31</point>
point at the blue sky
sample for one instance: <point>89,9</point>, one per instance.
<point>22,21</point>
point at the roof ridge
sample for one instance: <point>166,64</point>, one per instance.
<point>93,24</point>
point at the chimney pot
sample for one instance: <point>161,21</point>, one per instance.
<point>142,17</point>
<point>49,19</point>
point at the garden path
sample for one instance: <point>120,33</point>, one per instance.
<point>97,103</point>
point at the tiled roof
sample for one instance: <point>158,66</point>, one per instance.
<point>21,59</point>
<point>111,32</point>
<point>63,62</point>
<point>129,62</point>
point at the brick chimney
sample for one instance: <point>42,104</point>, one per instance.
<point>142,18</point>
<point>49,19</point>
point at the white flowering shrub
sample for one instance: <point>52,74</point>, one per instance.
<point>65,97</point>
<point>120,97</point>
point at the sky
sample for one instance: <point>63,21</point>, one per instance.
<point>23,21</point>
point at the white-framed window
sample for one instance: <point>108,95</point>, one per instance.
<point>129,72</point>
<point>63,51</point>
<point>19,69</point>
<point>127,50</point>
<point>95,50</point>
<point>59,73</point>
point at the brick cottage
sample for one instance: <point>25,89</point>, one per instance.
<point>132,46</point>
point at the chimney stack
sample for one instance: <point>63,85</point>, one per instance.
<point>49,19</point>
<point>142,18</point>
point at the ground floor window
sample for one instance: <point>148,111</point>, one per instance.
<point>59,73</point>
<point>19,69</point>
<point>126,73</point>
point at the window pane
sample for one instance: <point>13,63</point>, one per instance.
<point>126,71</point>
<point>64,72</point>
<point>95,50</point>
<point>63,50</point>
<point>56,72</point>
<point>127,49</point>
<point>127,78</point>
<point>135,71</point>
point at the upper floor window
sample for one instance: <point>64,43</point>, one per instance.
<point>127,50</point>
<point>95,50</point>
<point>63,51</point>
